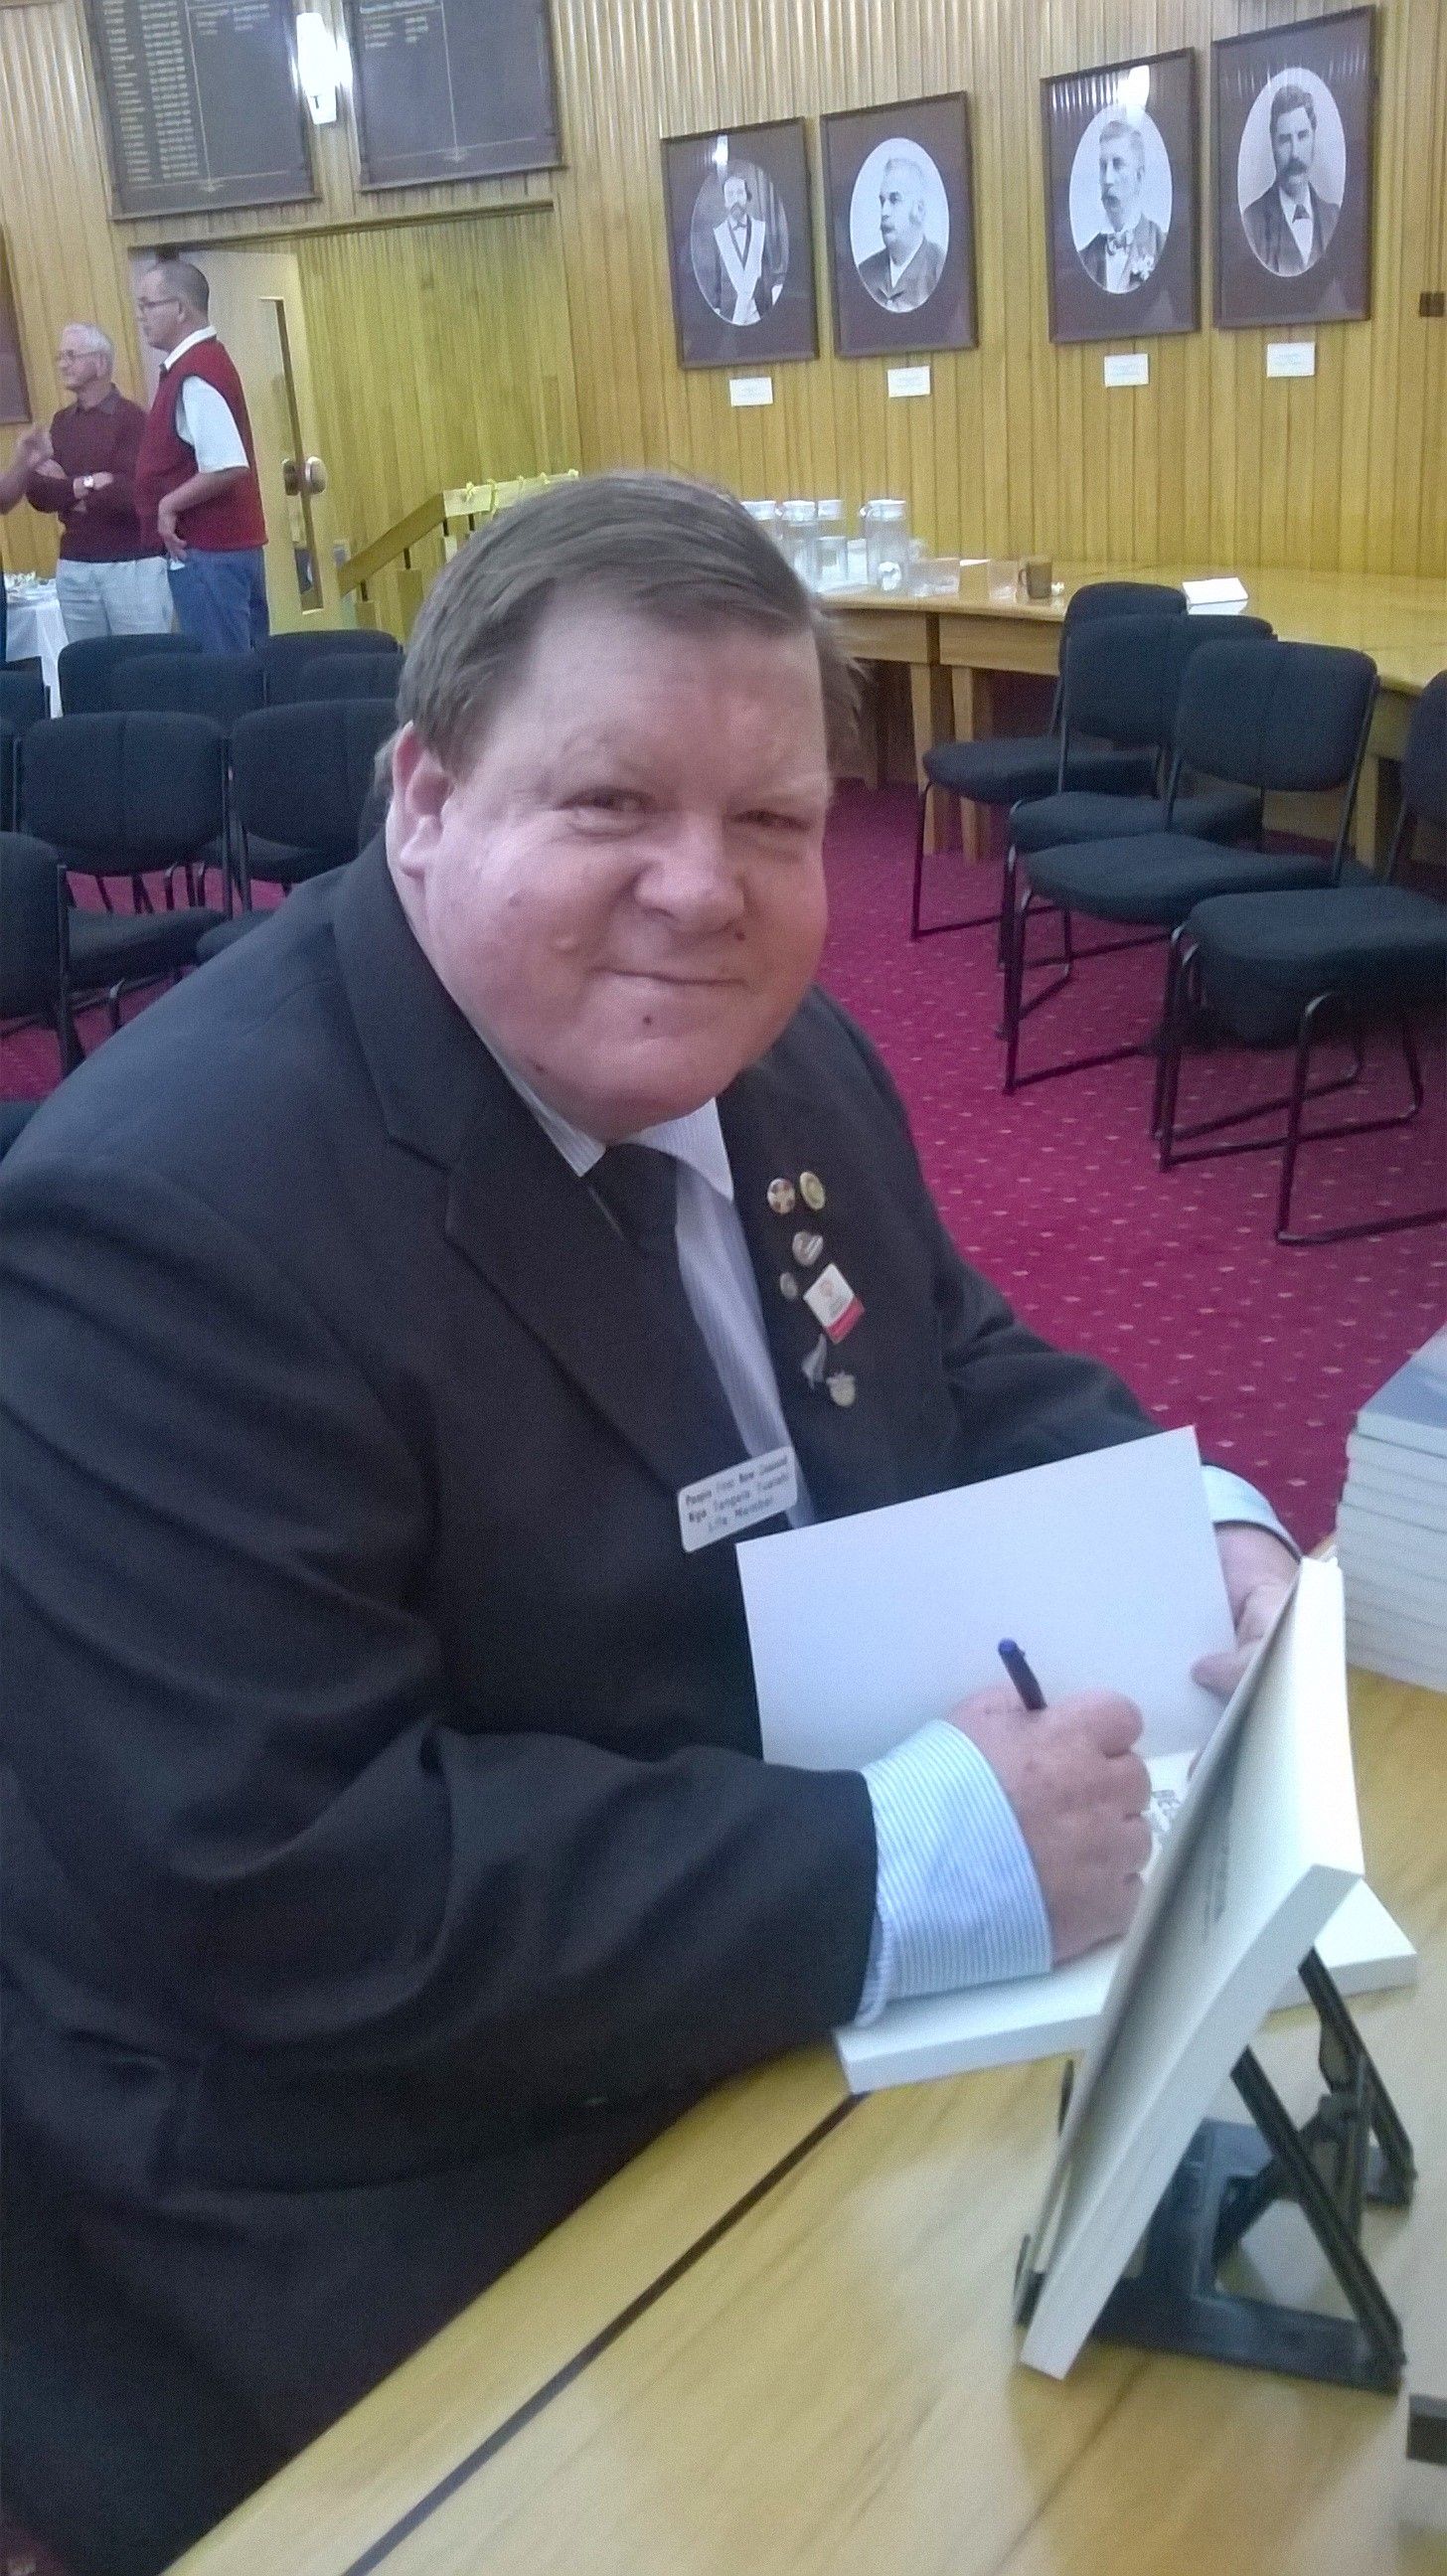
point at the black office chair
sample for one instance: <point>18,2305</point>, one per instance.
<point>1005,770</point>
<point>87,669</point>
<point>301,778</point>
<point>1353,952</point>
<point>123,796</point>
<point>1260,715</point>
<point>349,675</point>
<point>285,659</point>
<point>222,686</point>
<point>1122,678</point>
<point>23,703</point>
<point>32,984</point>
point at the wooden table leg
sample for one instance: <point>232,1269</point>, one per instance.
<point>929,700</point>
<point>970,706</point>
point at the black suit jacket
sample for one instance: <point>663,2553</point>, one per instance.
<point>389,1850</point>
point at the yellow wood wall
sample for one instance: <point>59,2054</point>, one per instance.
<point>445,347</point>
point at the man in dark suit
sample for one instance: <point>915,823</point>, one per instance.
<point>387,1311</point>
<point>1124,255</point>
<point>1290,226</point>
<point>903,274</point>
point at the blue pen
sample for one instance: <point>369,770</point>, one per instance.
<point>1021,1675</point>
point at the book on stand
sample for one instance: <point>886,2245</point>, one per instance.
<point>1392,1525</point>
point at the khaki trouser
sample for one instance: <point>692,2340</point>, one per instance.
<point>114,598</point>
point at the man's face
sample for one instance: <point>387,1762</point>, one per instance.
<point>1120,181</point>
<point>736,200</point>
<point>901,216</point>
<point>1294,144</point>
<point>624,891</point>
<point>77,366</point>
<point>163,317</point>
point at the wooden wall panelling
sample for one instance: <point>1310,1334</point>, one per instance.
<point>1019,447</point>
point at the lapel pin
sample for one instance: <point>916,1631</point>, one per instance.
<point>806,1249</point>
<point>842,1387</point>
<point>814,1366</point>
<point>781,1197</point>
<point>811,1190</point>
<point>788,1285</point>
<point>832,1303</point>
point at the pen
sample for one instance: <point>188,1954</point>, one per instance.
<point>1020,1674</point>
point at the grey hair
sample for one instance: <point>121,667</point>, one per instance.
<point>902,161</point>
<point>98,343</point>
<point>182,278</point>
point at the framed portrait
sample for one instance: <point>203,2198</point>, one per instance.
<point>1294,114</point>
<point>1121,199</point>
<point>898,187</point>
<point>741,245</point>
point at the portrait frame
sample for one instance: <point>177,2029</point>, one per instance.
<point>856,142</point>
<point>773,278</point>
<point>1152,288</point>
<point>1334,59</point>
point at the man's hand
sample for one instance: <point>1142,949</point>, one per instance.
<point>49,471</point>
<point>1079,1793</point>
<point>33,448</point>
<point>171,538</point>
<point>99,482</point>
<point>1259,1572</point>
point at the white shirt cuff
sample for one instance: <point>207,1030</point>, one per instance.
<point>1230,1498</point>
<point>957,1901</point>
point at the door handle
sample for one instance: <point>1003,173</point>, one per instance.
<point>311,477</point>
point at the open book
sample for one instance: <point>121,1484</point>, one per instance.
<point>1105,1568</point>
<point>1265,1846</point>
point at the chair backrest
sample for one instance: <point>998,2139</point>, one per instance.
<point>1123,599</point>
<point>349,675</point>
<point>23,701</point>
<point>222,686</point>
<point>29,925</point>
<point>1424,761</point>
<point>86,668</point>
<point>301,774</point>
<point>122,792</point>
<point>9,774</point>
<point>1120,676</point>
<point>284,657</point>
<point>1288,717</point>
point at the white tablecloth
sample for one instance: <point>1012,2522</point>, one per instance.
<point>35,630</point>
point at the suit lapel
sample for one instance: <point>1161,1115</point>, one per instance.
<point>514,1209</point>
<point>776,1130</point>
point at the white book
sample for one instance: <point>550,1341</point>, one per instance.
<point>1368,1539</point>
<point>1106,1569</point>
<point>1379,1467</point>
<point>1263,1852</point>
<point>1397,1662</point>
<point>1390,1589</point>
<point>1410,1411</point>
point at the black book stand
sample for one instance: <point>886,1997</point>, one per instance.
<point>1353,2149</point>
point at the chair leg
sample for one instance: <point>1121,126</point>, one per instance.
<point>1292,1143</point>
<point>960,921</point>
<point>1168,1062</point>
<point>67,1035</point>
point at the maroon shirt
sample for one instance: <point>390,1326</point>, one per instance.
<point>99,527</point>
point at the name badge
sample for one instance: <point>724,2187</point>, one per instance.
<point>833,1303</point>
<point>719,1506</point>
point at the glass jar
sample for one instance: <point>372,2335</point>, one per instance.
<point>833,546</point>
<point>886,544</point>
<point>799,537</point>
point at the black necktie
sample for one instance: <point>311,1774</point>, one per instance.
<point>638,1188</point>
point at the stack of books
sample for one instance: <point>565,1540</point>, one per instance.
<point>1392,1525</point>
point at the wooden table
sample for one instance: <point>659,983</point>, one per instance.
<point>955,648</point>
<point>780,2343</point>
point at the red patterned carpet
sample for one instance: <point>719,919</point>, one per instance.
<point>1172,1277</point>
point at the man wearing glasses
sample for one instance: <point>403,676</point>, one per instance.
<point>196,483</point>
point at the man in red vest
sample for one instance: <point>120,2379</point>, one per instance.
<point>195,479</point>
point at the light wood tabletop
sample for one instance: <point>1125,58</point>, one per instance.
<point>956,646</point>
<point>781,2341</point>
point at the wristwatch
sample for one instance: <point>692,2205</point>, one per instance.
<point>86,483</point>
